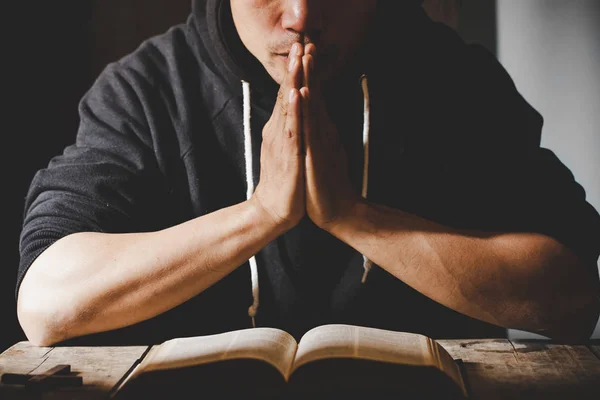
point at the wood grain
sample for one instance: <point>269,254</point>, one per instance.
<point>495,369</point>
<point>101,368</point>
<point>521,369</point>
<point>595,349</point>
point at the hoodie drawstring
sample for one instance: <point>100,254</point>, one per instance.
<point>367,264</point>
<point>249,191</point>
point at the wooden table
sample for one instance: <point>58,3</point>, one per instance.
<point>495,369</point>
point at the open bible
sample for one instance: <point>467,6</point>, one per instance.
<point>328,361</point>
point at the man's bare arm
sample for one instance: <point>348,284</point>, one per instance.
<point>522,281</point>
<point>92,282</point>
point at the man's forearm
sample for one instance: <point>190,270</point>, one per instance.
<point>524,281</point>
<point>92,282</point>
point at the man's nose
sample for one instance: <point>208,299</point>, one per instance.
<point>303,16</point>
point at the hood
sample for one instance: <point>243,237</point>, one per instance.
<point>215,32</point>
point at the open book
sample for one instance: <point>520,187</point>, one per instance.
<point>329,361</point>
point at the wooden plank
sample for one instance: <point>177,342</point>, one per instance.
<point>489,365</point>
<point>595,349</point>
<point>22,358</point>
<point>495,368</point>
<point>101,367</point>
<point>486,351</point>
<point>527,369</point>
<point>559,367</point>
<point>59,375</point>
<point>516,381</point>
<point>541,352</point>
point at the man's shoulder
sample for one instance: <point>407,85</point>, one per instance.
<point>447,44</point>
<point>156,58</point>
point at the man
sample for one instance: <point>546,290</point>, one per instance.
<point>292,163</point>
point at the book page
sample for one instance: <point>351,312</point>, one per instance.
<point>350,341</point>
<point>338,340</point>
<point>274,346</point>
<point>447,364</point>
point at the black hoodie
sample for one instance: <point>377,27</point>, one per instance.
<point>161,141</point>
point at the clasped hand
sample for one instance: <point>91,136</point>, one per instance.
<point>303,163</point>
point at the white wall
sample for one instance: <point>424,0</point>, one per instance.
<point>551,48</point>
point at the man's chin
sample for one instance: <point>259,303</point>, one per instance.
<point>277,69</point>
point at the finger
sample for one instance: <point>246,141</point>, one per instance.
<point>307,62</point>
<point>311,49</point>
<point>309,79</point>
<point>293,123</point>
<point>292,77</point>
<point>294,72</point>
<point>307,126</point>
<point>291,80</point>
<point>308,112</point>
<point>320,136</point>
<point>313,101</point>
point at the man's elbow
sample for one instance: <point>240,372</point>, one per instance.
<point>43,324</point>
<point>35,324</point>
<point>577,308</point>
<point>42,319</point>
<point>569,301</point>
<point>584,324</point>
<point>575,325</point>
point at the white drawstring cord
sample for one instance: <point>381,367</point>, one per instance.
<point>253,309</point>
<point>367,264</point>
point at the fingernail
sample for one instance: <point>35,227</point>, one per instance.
<point>292,95</point>
<point>293,61</point>
<point>294,50</point>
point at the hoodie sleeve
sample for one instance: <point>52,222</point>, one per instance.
<point>501,177</point>
<point>107,181</point>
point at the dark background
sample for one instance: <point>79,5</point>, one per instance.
<point>52,52</point>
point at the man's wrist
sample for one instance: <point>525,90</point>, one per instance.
<point>347,222</point>
<point>264,218</point>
